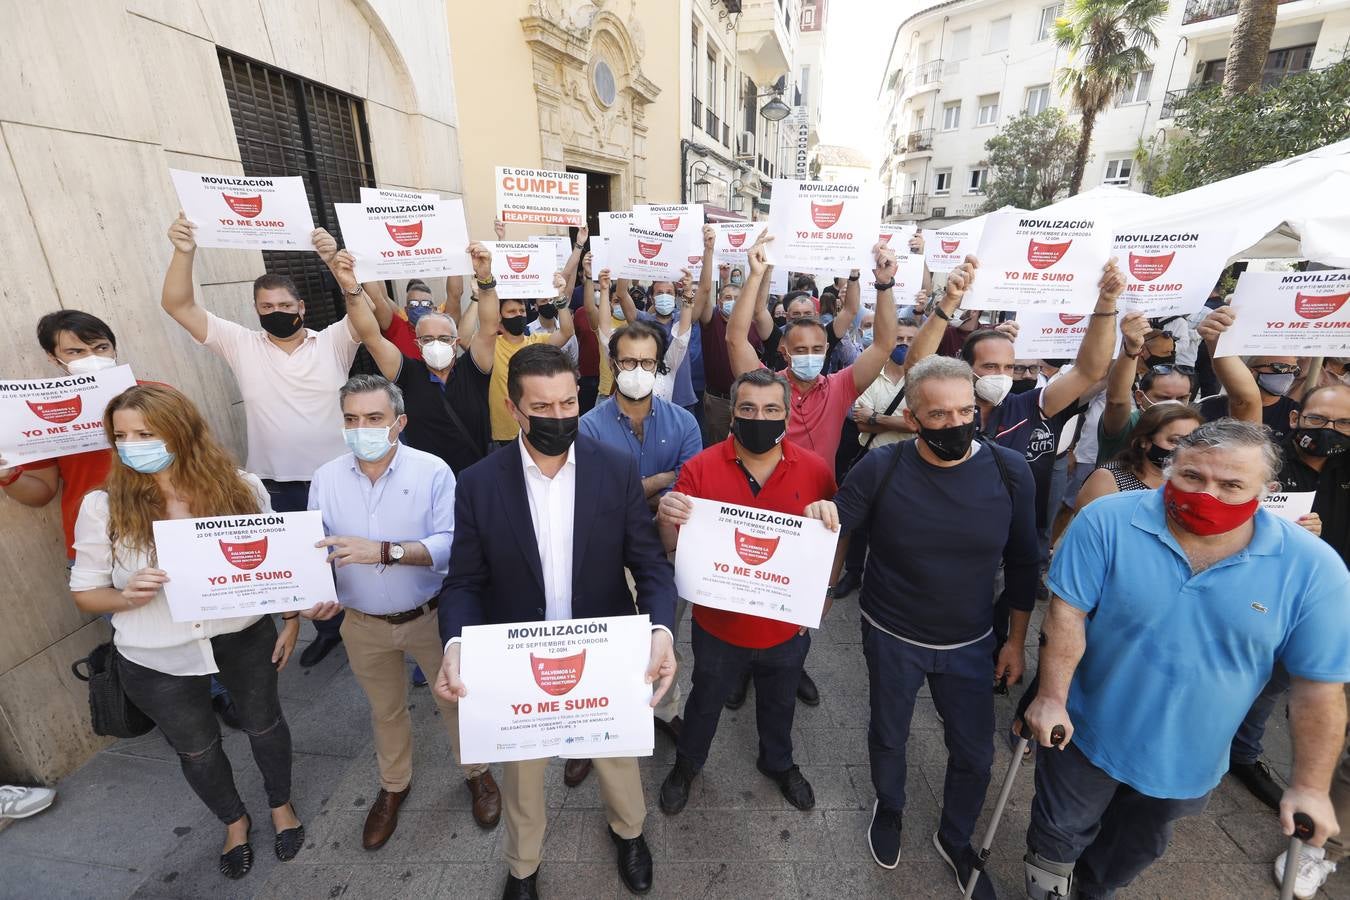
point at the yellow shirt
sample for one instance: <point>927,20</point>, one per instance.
<point>504,426</point>
<point>606,370</point>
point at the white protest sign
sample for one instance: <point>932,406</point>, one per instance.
<point>394,195</point>
<point>778,280</point>
<point>402,239</point>
<point>816,224</point>
<point>615,222</point>
<point>241,213</point>
<point>946,248</point>
<point>1169,272</point>
<point>733,240</point>
<point>684,219</point>
<point>225,566</point>
<point>523,270</point>
<point>1034,263</point>
<point>561,247</point>
<point>643,252</point>
<point>1289,314</point>
<point>1048,335</point>
<point>754,561</point>
<point>572,687</point>
<point>44,418</point>
<point>534,195</point>
<point>1289,506</point>
<point>908,266</point>
<point>599,255</point>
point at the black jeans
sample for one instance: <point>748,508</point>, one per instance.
<point>293,496</point>
<point>181,706</point>
<point>718,668</point>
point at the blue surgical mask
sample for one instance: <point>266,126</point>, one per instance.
<point>664,304</point>
<point>727,307</point>
<point>867,337</point>
<point>369,444</point>
<point>807,366</point>
<point>616,311</point>
<point>899,353</point>
<point>146,457</point>
<point>415,313</point>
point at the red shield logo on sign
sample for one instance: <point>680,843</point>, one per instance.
<point>1070,320</point>
<point>824,215</point>
<point>695,260</point>
<point>886,240</point>
<point>557,675</point>
<point>248,207</point>
<point>950,246</point>
<point>755,550</point>
<point>649,251</point>
<point>58,412</point>
<point>669,224</point>
<point>1147,268</point>
<point>246,554</point>
<point>517,263</point>
<point>1043,256</point>
<point>737,238</point>
<point>405,235</point>
<point>1310,306</point>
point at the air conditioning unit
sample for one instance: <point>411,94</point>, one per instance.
<point>938,212</point>
<point>745,145</point>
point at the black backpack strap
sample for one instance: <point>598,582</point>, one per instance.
<point>890,410</point>
<point>1002,470</point>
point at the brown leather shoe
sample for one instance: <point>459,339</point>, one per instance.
<point>487,800</point>
<point>382,818</point>
<point>575,772</point>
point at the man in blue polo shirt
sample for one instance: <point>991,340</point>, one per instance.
<point>1170,609</point>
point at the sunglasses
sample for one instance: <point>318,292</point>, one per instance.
<point>1168,368</point>
<point>1279,369</point>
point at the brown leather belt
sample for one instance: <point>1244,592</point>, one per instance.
<point>410,615</point>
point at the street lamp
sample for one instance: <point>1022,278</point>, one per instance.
<point>775,110</point>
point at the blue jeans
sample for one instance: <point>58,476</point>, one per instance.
<point>1246,748</point>
<point>959,681</point>
<point>718,669</point>
<point>1110,831</point>
<point>293,496</point>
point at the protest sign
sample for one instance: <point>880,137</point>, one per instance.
<point>1040,263</point>
<point>733,240</point>
<point>572,687</point>
<point>614,222</point>
<point>240,213</point>
<point>395,195</point>
<point>1169,272</point>
<point>1289,505</point>
<point>523,269</point>
<point>816,224</point>
<point>44,418</point>
<point>639,251</point>
<point>225,566</point>
<point>1289,314</point>
<point>561,247</point>
<point>946,248</point>
<point>685,220</point>
<point>534,195</point>
<point>599,255</point>
<point>755,561</point>
<point>1049,335</point>
<point>908,266</point>
<point>406,239</point>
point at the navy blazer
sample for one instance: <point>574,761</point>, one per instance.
<point>495,572</point>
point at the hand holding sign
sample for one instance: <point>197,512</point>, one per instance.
<point>325,245</point>
<point>674,509</point>
<point>448,686</point>
<point>1113,281</point>
<point>661,664</point>
<point>755,256</point>
<point>144,586</point>
<point>182,234</point>
<point>885,267</point>
<point>351,551</point>
<point>1215,324</point>
<point>481,257</point>
<point>1132,330</point>
<point>961,278</point>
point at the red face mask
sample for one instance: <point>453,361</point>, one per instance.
<point>1205,514</point>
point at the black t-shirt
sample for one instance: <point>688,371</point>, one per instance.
<point>1018,424</point>
<point>1275,416</point>
<point>930,581</point>
<point>1332,501</point>
<point>430,427</point>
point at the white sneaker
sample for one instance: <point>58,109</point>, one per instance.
<point>1313,871</point>
<point>21,802</point>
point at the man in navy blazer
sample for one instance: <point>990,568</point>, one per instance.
<point>544,529</point>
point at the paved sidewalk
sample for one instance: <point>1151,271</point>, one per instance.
<point>126,824</point>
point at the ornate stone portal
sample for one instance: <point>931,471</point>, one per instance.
<point>590,90</point>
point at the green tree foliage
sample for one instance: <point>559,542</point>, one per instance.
<point>1222,136</point>
<point>1030,160</point>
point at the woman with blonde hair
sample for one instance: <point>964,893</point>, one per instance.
<point>168,466</point>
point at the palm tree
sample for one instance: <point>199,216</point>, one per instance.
<point>1250,45</point>
<point>1108,43</point>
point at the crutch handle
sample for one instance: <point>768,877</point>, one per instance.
<point>1056,735</point>
<point>1303,826</point>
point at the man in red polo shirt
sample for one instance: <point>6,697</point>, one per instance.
<point>753,467</point>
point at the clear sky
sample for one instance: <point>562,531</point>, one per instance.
<point>858,35</point>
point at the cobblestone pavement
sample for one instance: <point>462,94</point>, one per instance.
<point>126,824</point>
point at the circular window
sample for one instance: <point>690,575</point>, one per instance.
<point>602,79</point>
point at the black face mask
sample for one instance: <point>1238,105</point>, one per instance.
<point>780,321</point>
<point>548,311</point>
<point>951,443</point>
<point>281,325</point>
<point>1320,441</point>
<point>759,435</point>
<point>1022,385</point>
<point>552,437</point>
<point>1157,455</point>
<point>514,325</point>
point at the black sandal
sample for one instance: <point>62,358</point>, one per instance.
<point>236,863</point>
<point>289,842</point>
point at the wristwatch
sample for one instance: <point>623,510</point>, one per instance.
<point>354,293</point>
<point>872,419</point>
<point>396,553</point>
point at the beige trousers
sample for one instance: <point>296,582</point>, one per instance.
<point>526,816</point>
<point>376,652</point>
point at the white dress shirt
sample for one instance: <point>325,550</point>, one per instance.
<point>553,503</point>
<point>147,635</point>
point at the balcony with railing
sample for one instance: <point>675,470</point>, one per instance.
<point>907,206</point>
<point>712,125</point>
<point>1204,10</point>
<point>919,141</point>
<point>698,113</point>
<point>765,41</point>
<point>925,77</point>
<point>1173,100</point>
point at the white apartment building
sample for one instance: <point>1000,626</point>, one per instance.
<point>958,69</point>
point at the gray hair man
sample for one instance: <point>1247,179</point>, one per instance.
<point>1194,593</point>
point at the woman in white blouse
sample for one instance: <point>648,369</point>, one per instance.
<point>170,467</point>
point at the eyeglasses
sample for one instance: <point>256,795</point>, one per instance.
<point>1279,369</point>
<point>1168,368</point>
<point>1026,370</point>
<point>1313,420</point>
<point>421,303</point>
<point>427,340</point>
<point>628,364</point>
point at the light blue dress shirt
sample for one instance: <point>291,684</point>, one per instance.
<point>414,500</point>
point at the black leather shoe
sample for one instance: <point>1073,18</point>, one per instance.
<point>793,784</point>
<point>635,862</point>
<point>1256,778</point>
<point>318,648</point>
<point>737,698</point>
<point>847,584</point>
<point>806,690</point>
<point>671,728</point>
<point>521,888</point>
<point>224,706</point>
<point>675,789</point>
